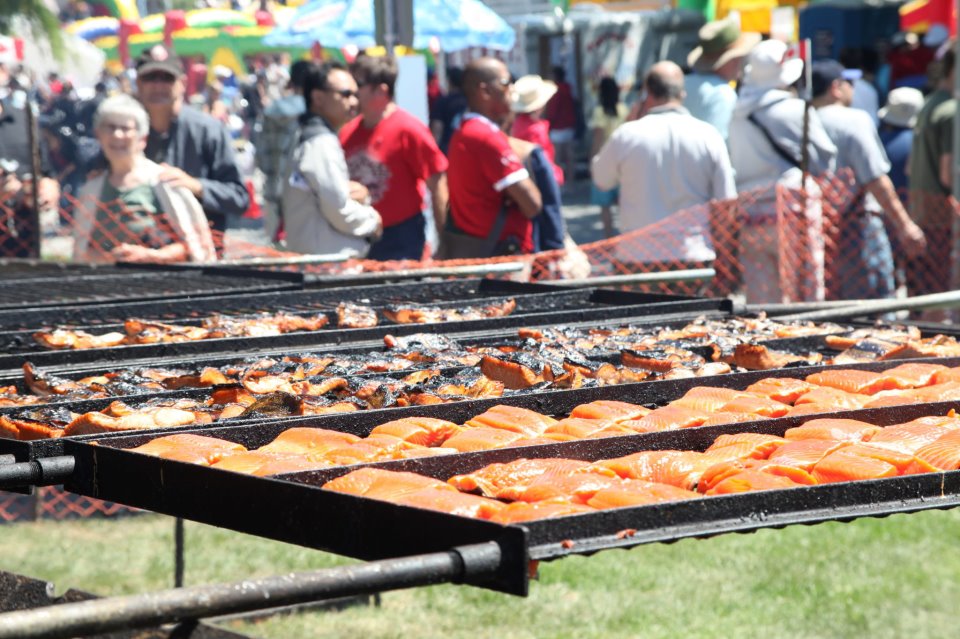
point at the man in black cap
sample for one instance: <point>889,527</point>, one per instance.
<point>195,149</point>
<point>866,267</point>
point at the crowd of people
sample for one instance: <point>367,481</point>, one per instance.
<point>737,123</point>
<point>149,173</point>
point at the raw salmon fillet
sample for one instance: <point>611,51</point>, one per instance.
<point>423,431</point>
<point>473,439</point>
<point>842,465</point>
<point>383,484</point>
<point>937,393</point>
<point>452,502</point>
<point>575,487</point>
<point>681,468</point>
<point>516,475</point>
<point>635,492</point>
<point>707,398</point>
<point>833,428</point>
<point>668,418</point>
<point>718,419</point>
<point>751,405</point>
<point>512,418</point>
<point>578,427</point>
<point>309,441</point>
<point>947,375</point>
<point>892,398</point>
<point>912,375</point>
<point>834,398</point>
<point>290,464</point>
<point>900,460</point>
<point>368,449</point>
<point>615,430</point>
<point>248,462</point>
<point>941,454</point>
<point>781,389</point>
<point>911,436</point>
<point>805,453</point>
<point>751,445</point>
<point>719,472</point>
<point>520,511</point>
<point>609,410</point>
<point>851,381</point>
<point>196,449</point>
<point>801,410</point>
<point>749,481</point>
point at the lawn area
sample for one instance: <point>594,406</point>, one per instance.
<point>892,577</point>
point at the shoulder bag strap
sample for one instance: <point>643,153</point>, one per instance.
<point>782,152</point>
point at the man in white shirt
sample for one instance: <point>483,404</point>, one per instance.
<point>665,162</point>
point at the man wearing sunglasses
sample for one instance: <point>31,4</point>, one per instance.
<point>321,215</point>
<point>194,149</point>
<point>492,196</point>
<point>395,156</point>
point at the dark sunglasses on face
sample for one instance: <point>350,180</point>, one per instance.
<point>346,94</point>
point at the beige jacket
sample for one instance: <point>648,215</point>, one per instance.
<point>180,208</point>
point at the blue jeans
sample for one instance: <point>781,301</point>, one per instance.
<point>866,260</point>
<point>403,241</point>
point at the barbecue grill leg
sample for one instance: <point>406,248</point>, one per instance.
<point>178,552</point>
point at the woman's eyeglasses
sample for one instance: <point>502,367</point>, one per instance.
<point>113,129</point>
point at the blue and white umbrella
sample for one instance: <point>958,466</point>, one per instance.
<point>456,25</point>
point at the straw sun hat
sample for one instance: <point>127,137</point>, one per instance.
<point>720,42</point>
<point>530,93</point>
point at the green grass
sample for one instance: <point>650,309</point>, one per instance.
<point>892,577</point>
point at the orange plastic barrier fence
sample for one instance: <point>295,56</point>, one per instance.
<point>771,245</point>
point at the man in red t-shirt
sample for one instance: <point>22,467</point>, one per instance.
<point>485,175</point>
<point>394,155</point>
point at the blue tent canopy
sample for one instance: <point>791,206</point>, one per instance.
<point>456,24</point>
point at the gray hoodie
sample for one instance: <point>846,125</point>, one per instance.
<point>319,216</point>
<point>754,159</point>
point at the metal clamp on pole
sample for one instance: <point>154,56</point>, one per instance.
<point>150,609</point>
<point>48,471</point>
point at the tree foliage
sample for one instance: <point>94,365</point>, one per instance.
<point>42,23</point>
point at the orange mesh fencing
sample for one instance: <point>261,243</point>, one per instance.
<point>51,502</point>
<point>777,244</point>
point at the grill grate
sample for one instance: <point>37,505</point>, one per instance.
<point>54,290</point>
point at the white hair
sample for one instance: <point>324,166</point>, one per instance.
<point>123,106</point>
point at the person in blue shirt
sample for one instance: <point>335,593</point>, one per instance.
<point>897,118</point>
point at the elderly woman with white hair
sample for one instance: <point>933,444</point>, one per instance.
<point>127,213</point>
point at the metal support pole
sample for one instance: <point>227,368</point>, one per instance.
<point>950,299</point>
<point>955,186</point>
<point>145,610</point>
<point>33,137</point>
<point>47,471</point>
<point>178,548</point>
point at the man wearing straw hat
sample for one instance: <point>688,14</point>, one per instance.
<point>716,64</point>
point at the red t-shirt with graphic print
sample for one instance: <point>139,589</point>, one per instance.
<point>393,160</point>
<point>482,165</point>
